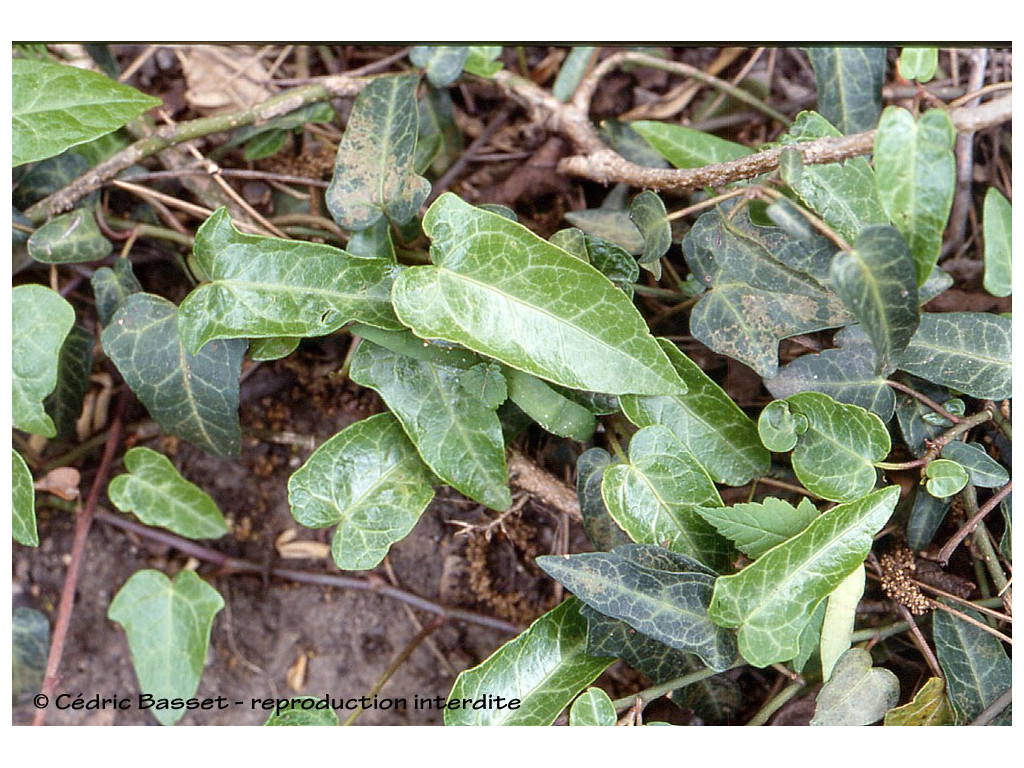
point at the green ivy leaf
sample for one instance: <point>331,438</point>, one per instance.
<point>837,626</point>
<point>557,414</point>
<point>543,669</point>
<point>158,495</point>
<point>168,627</point>
<point>373,172</point>
<point>654,498</point>
<point>111,286</point>
<point>857,693</point>
<point>23,504</point>
<point>976,666</point>
<point>572,71</point>
<point>609,224</point>
<point>628,142</point>
<point>64,404</point>
<point>504,292</point>
<point>918,63</point>
<point>706,420</point>
<point>929,707</point>
<point>687,147</point>
<point>264,287</point>
<point>294,713</point>
<point>46,177</point>
<point>192,396</point>
<point>593,707</point>
<point>772,599</point>
<point>997,223</point>
<point>40,321</point>
<point>780,427</point>
<point>945,478</point>
<point>457,434</point>
<point>438,140</point>
<point>647,212</point>
<point>264,350</point>
<point>30,645</point>
<point>984,471</point>
<point>370,482</point>
<point>757,526</point>
<point>57,107</point>
<point>443,63</point>
<point>611,260</point>
<point>482,60</point>
<point>659,593</point>
<point>849,85</point>
<point>915,418</point>
<point>876,282</point>
<point>967,351</point>
<point>70,238</point>
<point>603,532</point>
<point>926,515</point>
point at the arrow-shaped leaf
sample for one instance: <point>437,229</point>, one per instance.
<point>857,693</point>
<point>40,320</point>
<point>849,85</point>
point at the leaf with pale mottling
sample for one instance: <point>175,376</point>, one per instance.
<point>857,693</point>
<point>849,85</point>
<point>23,503</point>
<point>929,707</point>
<point>40,321</point>
<point>111,286</point>
<point>70,238</point>
<point>64,404</point>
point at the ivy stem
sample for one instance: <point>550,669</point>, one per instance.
<point>776,702</point>
<point>877,634</point>
<point>649,694</point>
<point>924,399</point>
<point>895,466</point>
<point>947,549</point>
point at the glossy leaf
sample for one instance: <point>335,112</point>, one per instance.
<point>265,287</point>
<point>264,350</point>
<point>706,420</point>
<point>572,70</point>
<point>295,713</point>
<point>967,351</point>
<point>544,668</point>
<point>40,321</point>
<point>373,172</point>
<point>628,142</point>
<point>504,292</point>
<point>654,498</point>
<point>609,224</point>
<point>557,414</point>
<point>926,515</point>
<point>603,532</point>
<point>837,626</point>
<point>668,603</point>
<point>929,707</point>
<point>849,85</point>
<point>876,282</point>
<point>857,693</point>
<point>944,478</point>
<point>810,637</point>
<point>23,503</point>
<point>757,526</point>
<point>46,177</point>
<point>168,627</point>
<point>780,427</point>
<point>438,140</point>
<point>984,471</point>
<point>370,482</point>
<point>918,63</point>
<point>915,418</point>
<point>771,600</point>
<point>611,260</point>
<point>194,397</point>
<point>30,645</point>
<point>647,212</point>
<point>111,286</point>
<point>976,666</point>
<point>64,404</point>
<point>56,107</point>
<point>754,299</point>
<point>158,495</point>
<point>997,221</point>
<point>70,238</point>
<point>687,147</point>
<point>482,60</point>
<point>443,63</point>
<point>592,707</point>
<point>916,174</point>
<point>457,434</point>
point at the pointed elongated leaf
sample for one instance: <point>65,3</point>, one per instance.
<point>849,85</point>
<point>916,174</point>
<point>23,503</point>
<point>687,147</point>
<point>984,471</point>
<point>557,414</point>
<point>876,282</point>
<point>64,404</point>
<point>592,707</point>
<point>303,711</point>
<point>857,693</point>
<point>630,144</point>
<point>443,63</point>
<point>168,627</point>
<point>997,217</point>
<point>40,321</point>
<point>755,527</point>
<point>926,515</point>
<point>840,614</point>
<point>755,298</point>
<point>274,348</point>
<point>504,292</point>
<point>264,287</point>
<point>772,599</point>
<point>542,669</point>
<point>976,666</point>
<point>929,707</point>
<point>573,68</point>
<point>668,604</point>
<point>457,434</point>
<point>654,498</point>
<point>158,495</point>
<point>70,238</point>
<point>111,286</point>
<point>373,172</point>
<point>438,141</point>
<point>57,107</point>
<point>918,63</point>
<point>609,224</point>
<point>601,529</point>
<point>966,351</point>
<point>647,212</point>
<point>706,420</point>
<point>192,396</point>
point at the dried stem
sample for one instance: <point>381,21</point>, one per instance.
<point>947,549</point>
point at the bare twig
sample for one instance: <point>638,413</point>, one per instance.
<point>993,710</point>
<point>964,151</point>
<point>947,549</point>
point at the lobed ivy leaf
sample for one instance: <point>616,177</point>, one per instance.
<point>687,147</point>
<point>967,351</point>
<point>158,495</point>
<point>504,292</point>
<point>918,63</point>
<point>665,598</point>
<point>111,286</point>
<point>64,404</point>
<point>557,414</point>
<point>603,532</point>
<point>55,107</point>
<point>23,503</point>
<point>757,526</point>
<point>849,85</point>
<point>370,482</point>
<point>70,238</point>
<point>840,615</point>
<point>294,713</point>
<point>876,282</point>
<point>976,666</point>
<point>654,498</point>
<point>544,668</point>
<point>373,172</point>
<point>857,693</point>
<point>929,707</point>
<point>772,599</point>
<point>592,707</point>
<point>40,321</point>
<point>916,175</point>
<point>997,225</point>
<point>194,397</point>
<point>984,471</point>
<point>168,627</point>
<point>647,212</point>
<point>266,287</point>
<point>945,478</point>
<point>443,63</point>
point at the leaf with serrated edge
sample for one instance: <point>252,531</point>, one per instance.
<point>70,238</point>
<point>158,495</point>
<point>263,287</point>
<point>543,668</point>
<point>757,526</point>
<point>984,471</point>
<point>706,420</point>
<point>191,396</point>
<point>168,627</point>
<point>40,321</point>
<point>687,147</point>
<point>504,292</point>
<point>23,503</point>
<point>654,498</point>
<point>64,404</point>
<point>297,712</point>
<point>772,599</point>
<point>840,614</point>
<point>457,434</point>
<point>849,85</point>
<point>592,707</point>
<point>857,693</point>
<point>997,218</point>
<point>967,351</point>
<point>929,707</point>
<point>370,482</point>
<point>373,171</point>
